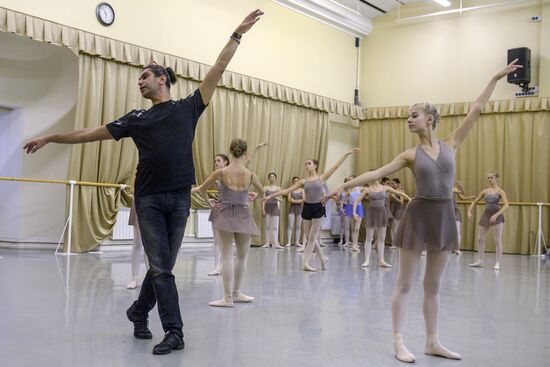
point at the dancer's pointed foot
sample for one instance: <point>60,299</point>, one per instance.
<point>133,284</point>
<point>278,247</point>
<point>384,264</point>
<point>365,264</point>
<point>267,245</point>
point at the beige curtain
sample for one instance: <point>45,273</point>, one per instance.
<point>108,90</point>
<point>510,137</point>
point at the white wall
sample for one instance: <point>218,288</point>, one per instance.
<point>40,81</point>
<point>285,47</point>
<point>448,59</point>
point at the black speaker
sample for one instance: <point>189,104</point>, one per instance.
<point>522,75</point>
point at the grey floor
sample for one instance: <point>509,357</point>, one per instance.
<point>69,311</point>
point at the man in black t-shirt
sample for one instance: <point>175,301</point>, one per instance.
<point>163,135</point>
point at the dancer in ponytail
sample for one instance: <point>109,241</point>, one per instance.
<point>492,217</point>
<point>429,221</point>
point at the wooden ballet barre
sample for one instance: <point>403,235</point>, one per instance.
<point>64,182</point>
<point>512,203</point>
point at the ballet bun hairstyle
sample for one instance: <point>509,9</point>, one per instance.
<point>429,109</point>
<point>494,173</point>
<point>315,162</point>
<point>272,173</point>
<point>224,157</point>
<point>238,148</point>
<point>295,178</point>
<point>158,70</point>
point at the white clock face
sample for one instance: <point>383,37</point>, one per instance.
<point>105,14</point>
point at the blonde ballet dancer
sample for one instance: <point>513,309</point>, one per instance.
<point>428,222</point>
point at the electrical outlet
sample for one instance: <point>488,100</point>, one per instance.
<point>532,92</point>
<point>535,18</point>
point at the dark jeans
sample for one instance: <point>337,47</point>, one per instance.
<point>162,218</point>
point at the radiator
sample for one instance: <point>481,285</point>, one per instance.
<point>203,228</point>
<point>121,230</point>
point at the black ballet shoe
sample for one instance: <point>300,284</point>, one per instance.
<point>171,341</point>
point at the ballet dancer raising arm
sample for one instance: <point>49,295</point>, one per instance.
<point>313,209</point>
<point>165,167</point>
<point>428,222</point>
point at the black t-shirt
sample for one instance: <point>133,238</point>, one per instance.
<point>164,136</point>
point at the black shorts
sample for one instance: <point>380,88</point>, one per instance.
<point>313,211</point>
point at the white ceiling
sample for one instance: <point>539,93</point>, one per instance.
<point>374,8</point>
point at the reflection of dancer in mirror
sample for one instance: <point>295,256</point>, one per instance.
<point>428,222</point>
<point>458,191</point>
<point>314,210</point>
<point>491,217</point>
<point>233,221</point>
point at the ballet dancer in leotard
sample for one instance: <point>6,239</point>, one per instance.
<point>458,191</point>
<point>429,221</point>
<point>271,213</point>
<point>295,201</point>
<point>492,217</point>
<point>313,210</point>
<point>397,207</point>
<point>221,161</point>
<point>377,218</point>
<point>354,214</point>
<point>233,221</point>
<point>342,204</point>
